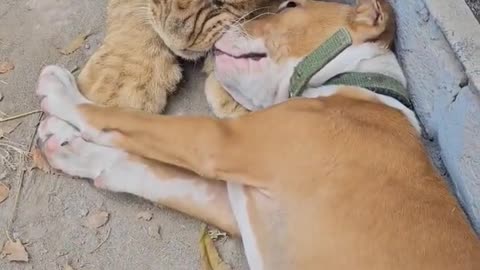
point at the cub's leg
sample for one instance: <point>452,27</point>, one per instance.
<point>117,171</point>
<point>133,68</point>
<point>221,103</point>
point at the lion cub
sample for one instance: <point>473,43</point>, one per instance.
<point>137,66</point>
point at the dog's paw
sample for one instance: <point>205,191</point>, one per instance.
<point>67,151</point>
<point>54,126</point>
<point>59,94</point>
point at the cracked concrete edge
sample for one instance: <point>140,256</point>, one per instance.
<point>446,105</point>
<point>458,123</point>
<point>462,30</point>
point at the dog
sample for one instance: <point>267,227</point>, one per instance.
<point>324,174</point>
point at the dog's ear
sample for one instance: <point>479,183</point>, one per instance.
<point>373,20</point>
<point>370,12</point>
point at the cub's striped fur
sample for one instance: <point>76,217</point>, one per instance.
<point>137,65</point>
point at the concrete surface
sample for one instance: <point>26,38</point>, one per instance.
<point>51,209</point>
<point>438,48</point>
<point>462,31</point>
<point>458,124</point>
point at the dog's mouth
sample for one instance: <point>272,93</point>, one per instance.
<point>255,56</point>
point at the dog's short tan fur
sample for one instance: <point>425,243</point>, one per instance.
<point>137,65</point>
<point>339,182</point>
<point>329,201</point>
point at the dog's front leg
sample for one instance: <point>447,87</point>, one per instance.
<point>115,170</point>
<point>211,148</point>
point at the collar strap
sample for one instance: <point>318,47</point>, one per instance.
<point>375,82</point>
<point>317,60</point>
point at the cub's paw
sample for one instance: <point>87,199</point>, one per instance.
<point>221,103</point>
<point>131,77</point>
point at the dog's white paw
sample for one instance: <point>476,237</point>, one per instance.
<point>67,151</point>
<point>52,125</point>
<point>60,95</point>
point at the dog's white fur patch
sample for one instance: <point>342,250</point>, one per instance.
<point>112,169</point>
<point>136,178</point>
<point>238,202</point>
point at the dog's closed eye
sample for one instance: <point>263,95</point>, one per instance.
<point>287,5</point>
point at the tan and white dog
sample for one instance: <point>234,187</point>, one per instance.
<point>338,180</point>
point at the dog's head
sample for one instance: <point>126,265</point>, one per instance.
<point>261,55</point>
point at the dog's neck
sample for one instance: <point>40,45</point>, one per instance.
<point>367,57</point>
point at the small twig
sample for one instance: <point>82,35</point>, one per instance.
<point>13,129</point>
<point>4,82</point>
<point>4,135</point>
<point>8,236</point>
<point>103,242</point>
<point>5,159</point>
<point>20,182</point>
<point>18,116</point>
<point>13,147</point>
<point>74,69</point>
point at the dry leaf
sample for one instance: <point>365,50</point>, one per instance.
<point>145,215</point>
<point>4,191</point>
<point>209,255</point>
<point>68,267</point>
<point>6,67</point>
<point>216,234</point>
<point>15,251</point>
<point>97,220</point>
<point>39,161</point>
<point>75,44</point>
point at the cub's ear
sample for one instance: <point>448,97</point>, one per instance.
<point>374,21</point>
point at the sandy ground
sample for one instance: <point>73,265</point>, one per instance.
<point>50,211</point>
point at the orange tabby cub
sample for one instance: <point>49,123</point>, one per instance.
<point>137,66</point>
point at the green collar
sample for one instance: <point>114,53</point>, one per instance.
<point>324,54</point>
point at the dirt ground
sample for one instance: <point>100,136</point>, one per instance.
<point>47,213</point>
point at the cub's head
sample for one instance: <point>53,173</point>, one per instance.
<point>191,27</point>
<point>258,59</point>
